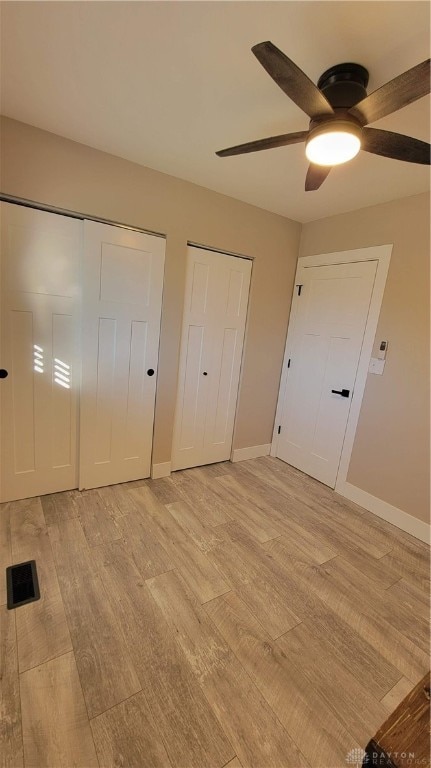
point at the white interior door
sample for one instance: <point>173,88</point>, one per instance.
<point>324,343</point>
<point>41,260</point>
<point>122,297</point>
<point>215,309</point>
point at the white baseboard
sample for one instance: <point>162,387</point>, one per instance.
<point>241,454</point>
<point>160,470</point>
<point>403,520</point>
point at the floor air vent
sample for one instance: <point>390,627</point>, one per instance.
<point>22,584</point>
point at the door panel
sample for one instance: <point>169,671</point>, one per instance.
<point>199,288</point>
<point>325,339</point>
<point>123,281</point>
<point>63,418</point>
<point>40,350</point>
<point>135,388</point>
<point>104,394</point>
<point>21,383</point>
<point>224,390</point>
<point>194,395</point>
<point>215,304</point>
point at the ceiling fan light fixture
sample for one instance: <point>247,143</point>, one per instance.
<point>333,143</point>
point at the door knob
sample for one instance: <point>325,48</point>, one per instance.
<point>150,372</point>
<point>3,373</point>
<point>342,392</point>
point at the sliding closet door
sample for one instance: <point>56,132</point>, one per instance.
<point>216,298</point>
<point>122,291</point>
<point>39,359</point>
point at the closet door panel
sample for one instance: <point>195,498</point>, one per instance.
<point>218,419</point>
<point>215,309</point>
<point>194,400</point>
<point>40,318</point>
<point>229,296</point>
<point>123,281</point>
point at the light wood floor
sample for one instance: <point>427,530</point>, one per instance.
<point>234,615</point>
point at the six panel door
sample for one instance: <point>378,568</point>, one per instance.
<point>122,297</point>
<point>215,309</point>
<point>325,340</point>
<point>40,351</point>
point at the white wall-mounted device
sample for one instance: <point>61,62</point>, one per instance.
<point>377,364</point>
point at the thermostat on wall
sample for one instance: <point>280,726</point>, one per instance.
<point>381,354</point>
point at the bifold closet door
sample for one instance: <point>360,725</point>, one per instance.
<point>39,359</point>
<point>122,296</point>
<point>215,309</point>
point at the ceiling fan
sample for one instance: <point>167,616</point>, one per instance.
<point>339,111</point>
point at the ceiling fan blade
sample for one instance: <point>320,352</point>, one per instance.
<point>292,80</point>
<point>399,92</point>
<point>272,141</point>
<point>316,175</point>
<point>396,146</point>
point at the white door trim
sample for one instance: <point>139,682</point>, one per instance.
<point>381,254</point>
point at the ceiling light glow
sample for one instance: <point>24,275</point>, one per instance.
<point>333,144</point>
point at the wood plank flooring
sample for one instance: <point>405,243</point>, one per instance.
<point>231,616</point>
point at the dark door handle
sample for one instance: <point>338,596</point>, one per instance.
<point>3,373</point>
<point>342,392</point>
<point>205,373</point>
<point>150,372</point>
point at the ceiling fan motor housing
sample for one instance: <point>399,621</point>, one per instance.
<point>344,85</point>
<point>336,123</point>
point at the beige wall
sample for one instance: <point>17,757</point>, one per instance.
<point>391,457</point>
<point>47,168</point>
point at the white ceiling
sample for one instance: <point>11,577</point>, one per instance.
<point>165,84</point>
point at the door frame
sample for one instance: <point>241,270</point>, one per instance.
<point>382,255</point>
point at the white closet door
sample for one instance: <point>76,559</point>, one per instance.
<point>215,309</point>
<point>324,342</point>
<point>122,289</point>
<point>41,259</point>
